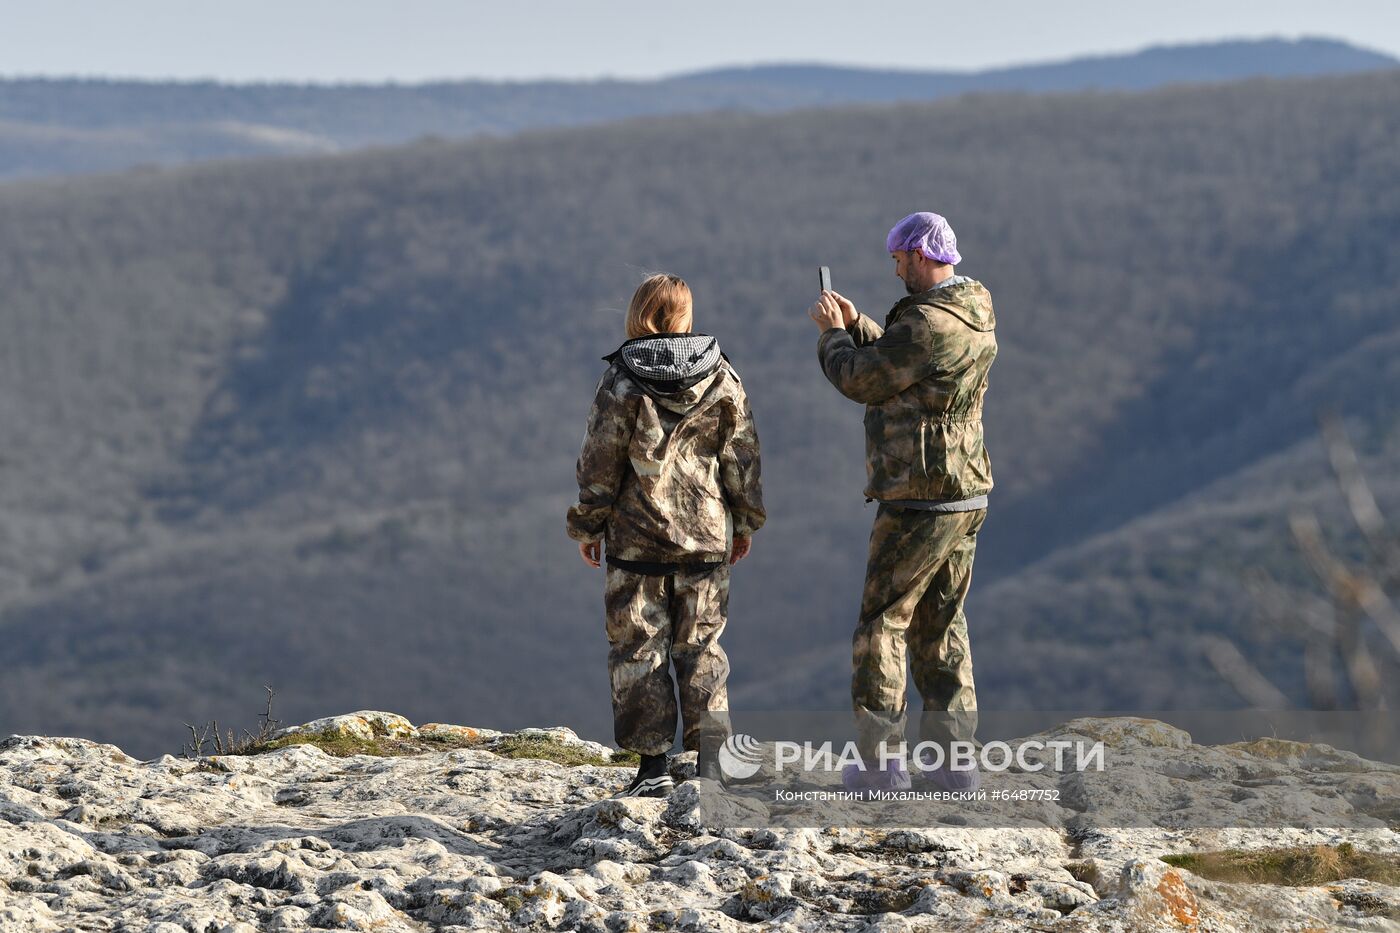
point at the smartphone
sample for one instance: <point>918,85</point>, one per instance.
<point>826,278</point>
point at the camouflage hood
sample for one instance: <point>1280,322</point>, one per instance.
<point>964,298</point>
<point>675,369</point>
<point>668,363</point>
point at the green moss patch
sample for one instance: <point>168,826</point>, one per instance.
<point>341,745</point>
<point>547,750</point>
<point>1302,865</point>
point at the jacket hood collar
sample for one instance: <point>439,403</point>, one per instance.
<point>669,363</point>
<point>965,298</point>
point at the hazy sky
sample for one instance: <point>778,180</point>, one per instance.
<point>415,40</point>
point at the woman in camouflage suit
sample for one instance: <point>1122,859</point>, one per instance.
<point>668,468</point>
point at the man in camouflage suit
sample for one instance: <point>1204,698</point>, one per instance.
<point>669,460</point>
<point>922,378</point>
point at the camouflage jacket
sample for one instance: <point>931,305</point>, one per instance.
<point>922,378</point>
<point>670,455</point>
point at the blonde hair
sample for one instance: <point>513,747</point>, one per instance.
<point>660,305</point>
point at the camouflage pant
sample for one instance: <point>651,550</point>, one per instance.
<point>917,578</point>
<point>653,621</point>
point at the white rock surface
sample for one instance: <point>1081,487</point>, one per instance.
<point>465,840</point>
<point>366,724</point>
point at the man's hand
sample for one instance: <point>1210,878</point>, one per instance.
<point>848,310</point>
<point>592,552</point>
<point>742,543</point>
<point>827,312</point>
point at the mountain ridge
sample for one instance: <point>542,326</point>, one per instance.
<point>58,125</point>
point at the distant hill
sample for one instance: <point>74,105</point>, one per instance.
<point>1149,68</point>
<point>54,126</point>
<point>312,422</point>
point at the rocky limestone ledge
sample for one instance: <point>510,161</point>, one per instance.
<point>465,839</point>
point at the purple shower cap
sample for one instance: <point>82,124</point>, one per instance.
<point>928,233</point>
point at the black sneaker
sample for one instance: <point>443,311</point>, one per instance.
<point>653,779</point>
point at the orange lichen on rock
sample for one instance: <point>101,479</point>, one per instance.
<point>1181,903</point>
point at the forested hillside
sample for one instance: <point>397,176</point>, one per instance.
<point>312,422</point>
<point>53,126</point>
